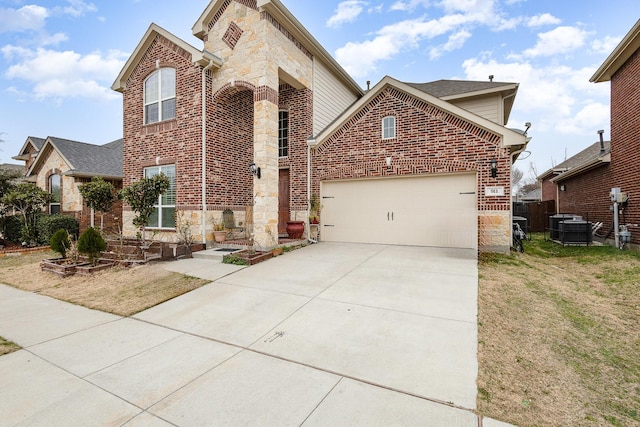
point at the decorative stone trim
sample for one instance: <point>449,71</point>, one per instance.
<point>267,17</point>
<point>405,167</point>
<point>265,93</point>
<point>232,35</point>
<point>251,4</point>
<point>237,85</point>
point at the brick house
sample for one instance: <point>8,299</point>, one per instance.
<point>59,166</point>
<point>582,184</point>
<point>263,91</point>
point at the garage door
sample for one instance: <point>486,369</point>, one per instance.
<point>436,210</point>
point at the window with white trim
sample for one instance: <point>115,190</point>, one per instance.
<point>389,127</point>
<point>160,96</point>
<point>283,133</point>
<point>164,215</point>
<point>56,193</point>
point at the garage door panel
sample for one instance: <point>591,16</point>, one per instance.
<point>436,210</point>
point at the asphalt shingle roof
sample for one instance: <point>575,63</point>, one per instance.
<point>38,142</point>
<point>444,88</point>
<point>92,159</point>
<point>587,155</point>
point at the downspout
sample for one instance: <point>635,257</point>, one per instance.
<point>310,142</point>
<point>203,219</point>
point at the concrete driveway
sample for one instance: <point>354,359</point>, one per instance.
<point>332,334</point>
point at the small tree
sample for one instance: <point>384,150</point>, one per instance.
<point>98,195</point>
<point>142,196</point>
<point>29,200</point>
<point>7,183</point>
<point>60,242</point>
<point>91,244</point>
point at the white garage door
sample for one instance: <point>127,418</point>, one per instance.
<point>436,210</point>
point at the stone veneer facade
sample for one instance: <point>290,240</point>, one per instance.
<point>243,100</point>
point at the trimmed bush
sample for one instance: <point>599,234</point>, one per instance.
<point>47,225</point>
<point>91,244</point>
<point>60,242</point>
<point>12,228</point>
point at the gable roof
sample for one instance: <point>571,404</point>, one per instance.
<point>84,160</point>
<point>586,159</point>
<point>452,89</point>
<point>285,18</point>
<point>32,141</point>
<point>200,57</point>
<point>509,137</point>
<point>621,54</point>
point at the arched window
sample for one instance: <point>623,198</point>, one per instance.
<point>160,96</point>
<point>54,189</point>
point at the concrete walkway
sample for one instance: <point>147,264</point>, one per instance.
<point>331,334</point>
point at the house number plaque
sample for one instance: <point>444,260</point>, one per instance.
<point>494,191</point>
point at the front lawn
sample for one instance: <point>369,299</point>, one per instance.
<point>121,291</point>
<point>559,336</point>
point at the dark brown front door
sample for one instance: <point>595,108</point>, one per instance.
<point>283,200</point>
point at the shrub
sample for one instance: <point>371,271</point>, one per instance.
<point>91,244</point>
<point>47,225</point>
<point>11,228</point>
<point>60,242</point>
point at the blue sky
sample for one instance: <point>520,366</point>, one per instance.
<point>58,58</point>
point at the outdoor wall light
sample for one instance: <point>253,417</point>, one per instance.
<point>388,160</point>
<point>494,168</point>
<point>563,188</point>
<point>255,170</point>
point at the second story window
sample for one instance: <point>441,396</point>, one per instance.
<point>389,127</point>
<point>160,96</point>
<point>283,134</point>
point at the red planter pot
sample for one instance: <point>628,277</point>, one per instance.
<point>295,229</point>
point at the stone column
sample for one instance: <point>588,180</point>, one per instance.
<point>265,156</point>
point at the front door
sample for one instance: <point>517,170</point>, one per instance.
<point>283,200</point>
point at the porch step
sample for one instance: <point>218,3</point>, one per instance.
<point>214,254</point>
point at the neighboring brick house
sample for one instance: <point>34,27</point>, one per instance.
<point>61,165</point>
<point>263,91</point>
<point>582,184</point>
<point>29,151</point>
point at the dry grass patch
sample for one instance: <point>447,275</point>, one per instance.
<point>559,336</point>
<point>119,291</point>
<point>7,347</point>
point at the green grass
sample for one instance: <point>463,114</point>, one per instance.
<point>7,347</point>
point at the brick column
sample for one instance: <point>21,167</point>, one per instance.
<point>265,156</point>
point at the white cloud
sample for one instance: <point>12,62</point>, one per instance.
<point>27,18</point>
<point>76,8</point>
<point>606,45</point>
<point>456,41</point>
<point>56,74</point>
<point>347,11</point>
<point>409,5</point>
<point>543,19</point>
<point>558,41</point>
<point>585,119</point>
<point>360,58</point>
<point>557,98</point>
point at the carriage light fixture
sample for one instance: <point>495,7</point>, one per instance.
<point>494,168</point>
<point>255,170</point>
